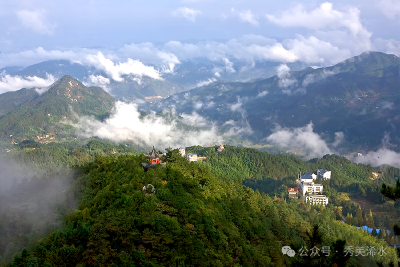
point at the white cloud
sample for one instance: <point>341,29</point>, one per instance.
<point>205,82</point>
<point>187,13</point>
<point>339,137</point>
<point>238,128</point>
<point>346,36</point>
<point>387,105</point>
<point>13,83</point>
<point>238,105</point>
<point>150,54</point>
<point>312,78</point>
<point>379,157</point>
<point>125,123</point>
<point>302,138</point>
<point>211,104</point>
<point>322,17</point>
<point>35,20</point>
<point>198,105</point>
<point>249,48</point>
<point>228,66</point>
<point>390,46</point>
<point>115,71</point>
<point>195,120</point>
<point>391,8</point>
<point>263,93</point>
<point>283,72</point>
<point>99,81</point>
<point>248,16</point>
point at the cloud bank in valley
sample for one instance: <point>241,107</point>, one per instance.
<point>302,138</point>
<point>380,157</point>
<point>125,123</point>
<point>306,140</point>
<point>13,83</point>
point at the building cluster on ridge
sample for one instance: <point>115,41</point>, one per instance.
<point>193,157</point>
<point>311,191</point>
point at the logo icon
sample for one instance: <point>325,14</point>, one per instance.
<point>287,250</point>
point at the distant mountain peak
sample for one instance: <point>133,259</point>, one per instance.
<point>68,87</point>
<point>43,114</point>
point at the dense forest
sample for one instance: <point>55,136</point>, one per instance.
<point>354,190</point>
<point>195,218</point>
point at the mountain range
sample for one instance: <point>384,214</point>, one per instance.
<point>359,97</point>
<point>186,75</point>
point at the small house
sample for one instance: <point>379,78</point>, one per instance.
<point>191,157</point>
<point>324,174</point>
<point>293,192</point>
<point>221,147</point>
<point>182,151</point>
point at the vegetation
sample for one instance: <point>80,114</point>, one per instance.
<point>44,115</point>
<point>195,219</point>
<point>353,190</point>
<point>358,97</point>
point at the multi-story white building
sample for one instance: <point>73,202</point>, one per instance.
<point>182,151</point>
<point>310,188</point>
<point>316,199</point>
<point>324,174</point>
<point>191,157</point>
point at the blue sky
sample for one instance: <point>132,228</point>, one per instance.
<point>167,32</point>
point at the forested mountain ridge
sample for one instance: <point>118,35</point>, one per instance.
<point>43,115</point>
<point>359,97</point>
<point>12,100</point>
<point>351,187</point>
<point>194,218</point>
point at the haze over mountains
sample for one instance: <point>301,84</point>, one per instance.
<point>356,100</point>
<point>349,107</point>
<point>184,76</point>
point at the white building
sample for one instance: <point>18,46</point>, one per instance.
<point>324,174</point>
<point>307,177</point>
<point>316,199</point>
<point>310,188</point>
<point>182,151</point>
<point>191,157</point>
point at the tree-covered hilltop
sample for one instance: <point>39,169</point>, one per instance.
<point>245,163</point>
<point>195,218</point>
<point>49,157</point>
<point>352,185</point>
<point>66,99</point>
<point>12,100</point>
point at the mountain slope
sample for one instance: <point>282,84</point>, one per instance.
<point>12,100</point>
<point>360,97</point>
<point>43,115</point>
<point>194,218</point>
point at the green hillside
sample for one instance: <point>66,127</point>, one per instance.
<point>12,100</point>
<point>44,115</point>
<point>352,185</point>
<point>194,219</point>
<point>359,97</point>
